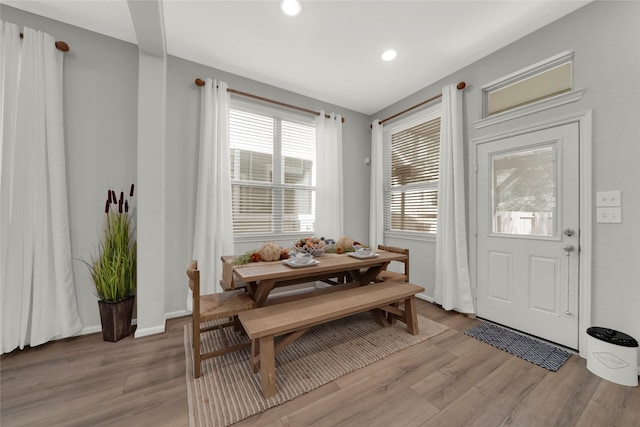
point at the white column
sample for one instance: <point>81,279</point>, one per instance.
<point>151,189</point>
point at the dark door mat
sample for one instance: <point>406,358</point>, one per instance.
<point>525,347</point>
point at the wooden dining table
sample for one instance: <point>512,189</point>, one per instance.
<point>341,271</point>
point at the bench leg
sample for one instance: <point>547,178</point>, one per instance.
<point>392,317</point>
<point>411,315</point>
<point>380,317</point>
<point>268,366</point>
<point>255,355</point>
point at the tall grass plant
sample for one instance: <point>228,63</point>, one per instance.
<point>113,269</point>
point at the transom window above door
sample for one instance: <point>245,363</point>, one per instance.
<point>543,80</point>
<point>538,87</point>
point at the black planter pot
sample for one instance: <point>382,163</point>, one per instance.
<point>116,318</point>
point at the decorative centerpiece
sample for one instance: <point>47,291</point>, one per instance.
<point>344,244</point>
<point>310,245</point>
<point>269,251</point>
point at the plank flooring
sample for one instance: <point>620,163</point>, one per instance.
<point>450,380</point>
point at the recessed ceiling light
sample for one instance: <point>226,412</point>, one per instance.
<point>389,55</point>
<point>291,7</point>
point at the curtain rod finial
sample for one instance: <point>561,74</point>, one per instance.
<point>199,82</point>
<point>461,85</point>
<point>62,46</point>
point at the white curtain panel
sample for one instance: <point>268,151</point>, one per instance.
<point>37,301</point>
<point>213,235</point>
<point>453,287</point>
<point>329,193</point>
<point>376,196</point>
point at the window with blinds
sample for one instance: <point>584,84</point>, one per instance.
<point>411,168</point>
<point>272,172</point>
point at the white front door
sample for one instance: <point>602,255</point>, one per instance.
<point>528,237</point>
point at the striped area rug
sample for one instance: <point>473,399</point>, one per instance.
<point>530,349</point>
<point>228,391</point>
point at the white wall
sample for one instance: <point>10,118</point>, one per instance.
<point>606,39</point>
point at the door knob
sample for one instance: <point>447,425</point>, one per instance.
<point>569,232</point>
<point>568,248</point>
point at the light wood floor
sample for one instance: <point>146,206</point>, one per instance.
<point>451,380</point>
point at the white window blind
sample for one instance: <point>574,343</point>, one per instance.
<point>411,181</point>
<point>272,172</point>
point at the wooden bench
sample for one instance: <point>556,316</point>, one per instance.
<point>294,318</point>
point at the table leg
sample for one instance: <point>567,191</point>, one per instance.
<point>268,366</point>
<point>367,277</point>
<point>262,291</point>
<point>251,289</point>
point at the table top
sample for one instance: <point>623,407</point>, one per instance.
<point>342,271</point>
<point>327,264</point>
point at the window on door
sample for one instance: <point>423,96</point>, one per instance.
<point>524,191</point>
<point>273,166</point>
<point>412,156</point>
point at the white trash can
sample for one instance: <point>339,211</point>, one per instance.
<point>612,355</point>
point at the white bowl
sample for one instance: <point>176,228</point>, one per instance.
<point>364,251</point>
<point>301,259</point>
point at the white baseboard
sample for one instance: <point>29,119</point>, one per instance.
<point>149,331</point>
<point>160,329</point>
<point>89,330</point>
<point>179,313</point>
<point>425,297</point>
<point>143,333</point>
<point>96,328</point>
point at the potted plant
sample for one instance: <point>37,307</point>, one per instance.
<point>114,269</point>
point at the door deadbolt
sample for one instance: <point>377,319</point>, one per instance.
<point>569,232</point>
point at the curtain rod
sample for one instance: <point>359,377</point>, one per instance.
<point>200,82</point>
<point>460,86</point>
<point>62,46</point>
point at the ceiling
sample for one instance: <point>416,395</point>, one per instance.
<point>331,51</point>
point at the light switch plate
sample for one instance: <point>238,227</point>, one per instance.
<point>609,215</point>
<point>608,198</point>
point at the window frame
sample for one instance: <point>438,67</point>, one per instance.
<point>571,96</point>
<point>277,185</point>
<point>523,75</point>
<point>399,125</point>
